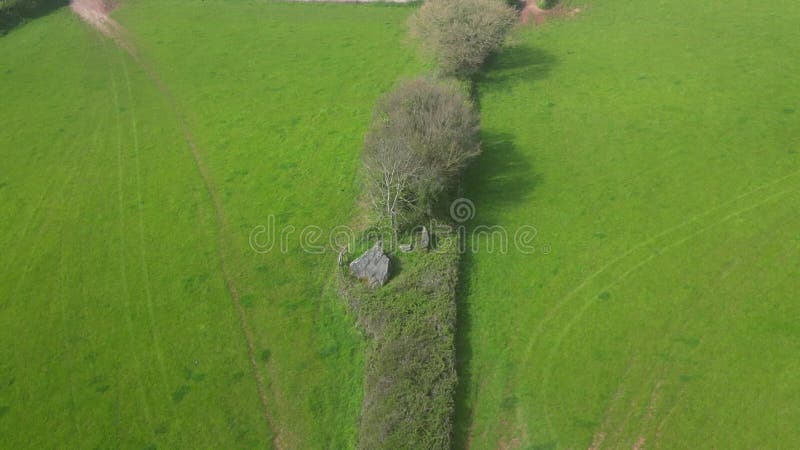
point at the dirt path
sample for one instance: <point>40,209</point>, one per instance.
<point>96,14</point>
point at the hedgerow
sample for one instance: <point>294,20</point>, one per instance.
<point>422,136</point>
<point>410,376</point>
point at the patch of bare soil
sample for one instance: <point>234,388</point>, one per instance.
<point>531,12</point>
<point>95,13</point>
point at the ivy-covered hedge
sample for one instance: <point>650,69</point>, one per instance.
<point>410,375</point>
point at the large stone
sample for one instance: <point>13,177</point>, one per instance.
<point>372,266</point>
<point>425,239</point>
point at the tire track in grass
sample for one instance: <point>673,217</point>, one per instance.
<point>19,236</point>
<point>606,428</point>
<point>33,216</point>
<point>143,254</point>
<point>34,249</point>
<point>223,230</point>
<point>553,311</point>
<point>62,300</point>
<point>560,303</point>
<point>97,17</point>
<point>592,300</point>
<point>656,428</point>
<point>123,266</point>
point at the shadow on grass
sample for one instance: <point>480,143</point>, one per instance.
<point>501,178</point>
<point>515,65</point>
<point>26,10</point>
<point>464,401</point>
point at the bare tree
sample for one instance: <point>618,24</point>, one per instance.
<point>391,168</point>
<point>462,33</point>
<point>423,135</point>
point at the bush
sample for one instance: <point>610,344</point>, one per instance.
<point>462,33</point>
<point>423,135</point>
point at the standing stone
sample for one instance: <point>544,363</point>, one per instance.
<point>342,253</point>
<point>372,266</point>
<point>406,248</point>
<point>425,239</point>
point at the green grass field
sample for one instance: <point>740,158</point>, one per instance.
<point>118,328</point>
<point>656,149</point>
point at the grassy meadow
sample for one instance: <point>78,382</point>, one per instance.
<point>117,318</point>
<point>656,149</point>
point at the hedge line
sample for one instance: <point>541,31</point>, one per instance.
<point>410,376</point>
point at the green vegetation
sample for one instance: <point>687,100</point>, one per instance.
<point>410,378</point>
<point>423,134</point>
<point>547,4</point>
<point>117,324</point>
<point>656,149</point>
<point>460,34</point>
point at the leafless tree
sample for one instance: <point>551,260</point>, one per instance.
<point>423,134</point>
<point>462,33</point>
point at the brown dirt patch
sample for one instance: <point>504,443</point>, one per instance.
<point>95,13</point>
<point>532,13</point>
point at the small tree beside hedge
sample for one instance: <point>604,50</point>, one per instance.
<point>462,33</point>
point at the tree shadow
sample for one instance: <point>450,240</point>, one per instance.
<point>501,178</point>
<point>16,15</point>
<point>462,422</point>
<point>519,64</point>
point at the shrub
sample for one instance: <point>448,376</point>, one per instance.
<point>462,33</point>
<point>423,134</point>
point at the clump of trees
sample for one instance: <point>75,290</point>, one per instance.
<point>423,135</point>
<point>462,33</point>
